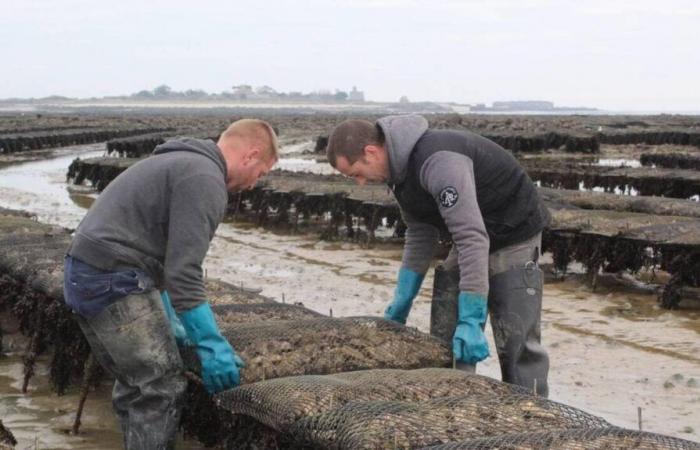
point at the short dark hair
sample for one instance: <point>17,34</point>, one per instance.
<point>350,138</point>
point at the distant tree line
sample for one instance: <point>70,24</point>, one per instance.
<point>248,92</point>
<point>165,91</point>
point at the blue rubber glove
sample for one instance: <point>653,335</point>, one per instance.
<point>469,342</point>
<point>220,364</point>
<point>407,288</point>
<point>175,324</point>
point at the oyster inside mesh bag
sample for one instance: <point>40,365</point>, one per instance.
<point>221,294</point>
<point>260,312</point>
<point>280,402</point>
<point>392,424</point>
<point>325,345</point>
<point>611,438</point>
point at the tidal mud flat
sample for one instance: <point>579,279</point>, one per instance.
<point>611,342</point>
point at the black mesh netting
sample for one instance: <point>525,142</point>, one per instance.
<point>14,212</point>
<point>31,288</point>
<point>393,424</point>
<point>279,403</point>
<point>576,439</point>
<point>15,222</point>
<point>24,259</point>
<point>7,439</point>
<point>260,312</point>
<point>31,285</point>
<point>326,345</point>
<point>318,346</point>
<point>29,247</point>
<point>34,254</point>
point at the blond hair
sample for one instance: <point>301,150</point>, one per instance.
<point>256,131</point>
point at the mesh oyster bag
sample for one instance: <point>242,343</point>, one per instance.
<point>221,293</point>
<point>14,212</point>
<point>260,312</point>
<point>327,345</point>
<point>401,425</point>
<point>322,345</point>
<point>611,438</point>
<point>280,402</point>
<point>30,247</point>
<point>11,222</point>
<point>22,260</point>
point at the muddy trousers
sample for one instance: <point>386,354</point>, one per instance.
<point>131,339</point>
<point>514,306</point>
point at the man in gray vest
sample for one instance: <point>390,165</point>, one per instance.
<point>148,232</point>
<point>468,186</point>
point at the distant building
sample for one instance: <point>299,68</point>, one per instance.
<point>525,105</point>
<point>356,96</point>
<point>528,105</point>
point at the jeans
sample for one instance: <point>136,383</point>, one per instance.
<point>88,290</point>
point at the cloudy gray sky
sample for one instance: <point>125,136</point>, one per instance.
<point>611,54</point>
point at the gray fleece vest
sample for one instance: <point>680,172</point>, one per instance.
<point>510,205</point>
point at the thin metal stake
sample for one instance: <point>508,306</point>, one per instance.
<point>639,417</point>
<point>88,374</point>
<point>331,312</point>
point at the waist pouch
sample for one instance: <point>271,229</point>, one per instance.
<point>88,290</point>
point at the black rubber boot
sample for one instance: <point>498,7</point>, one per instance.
<point>515,305</point>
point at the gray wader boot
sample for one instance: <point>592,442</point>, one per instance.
<point>131,339</point>
<point>515,305</point>
<point>443,308</point>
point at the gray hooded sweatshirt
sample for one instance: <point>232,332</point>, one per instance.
<point>464,222</point>
<point>160,216</point>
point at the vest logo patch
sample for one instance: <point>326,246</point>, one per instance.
<point>449,197</point>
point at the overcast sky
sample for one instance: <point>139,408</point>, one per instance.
<point>610,54</point>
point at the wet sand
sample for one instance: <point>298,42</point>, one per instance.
<point>611,352</point>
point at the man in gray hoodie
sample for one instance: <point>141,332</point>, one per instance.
<point>147,232</point>
<point>461,184</point>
